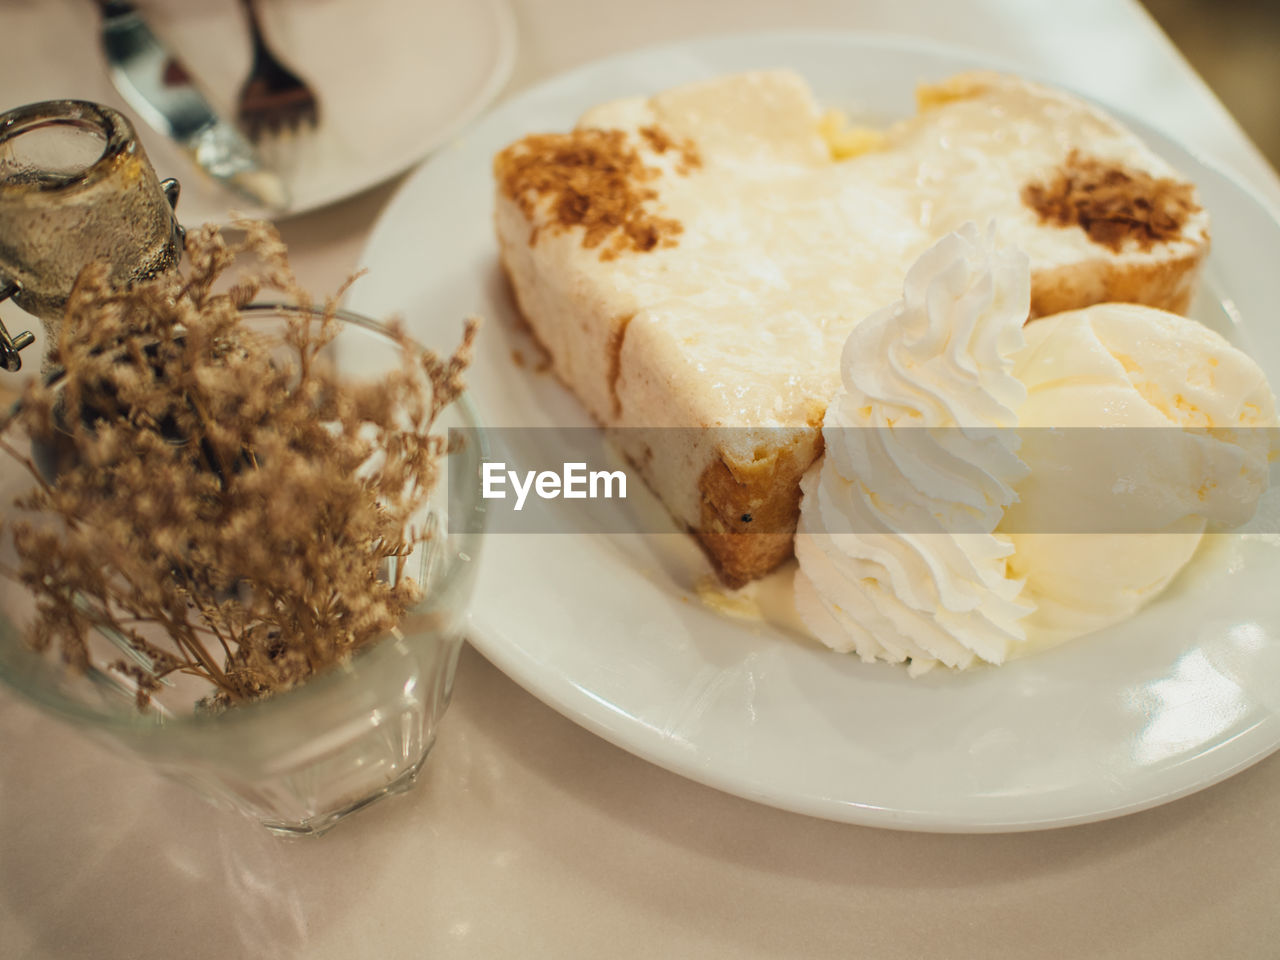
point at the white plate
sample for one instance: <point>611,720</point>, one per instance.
<point>395,80</point>
<point>604,628</point>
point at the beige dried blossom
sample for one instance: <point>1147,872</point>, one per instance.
<point>205,483</point>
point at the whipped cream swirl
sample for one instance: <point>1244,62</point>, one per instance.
<point>898,555</point>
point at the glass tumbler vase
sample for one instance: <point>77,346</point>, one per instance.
<point>301,760</point>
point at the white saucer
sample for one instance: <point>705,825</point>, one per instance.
<point>395,80</point>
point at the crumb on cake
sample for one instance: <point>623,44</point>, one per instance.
<point>594,179</point>
<point>660,142</point>
<point>1112,203</point>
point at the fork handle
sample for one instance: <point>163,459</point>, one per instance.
<point>115,8</point>
<point>261,53</point>
<point>255,26</point>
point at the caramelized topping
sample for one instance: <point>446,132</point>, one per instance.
<point>660,142</point>
<point>1112,203</point>
<point>593,179</point>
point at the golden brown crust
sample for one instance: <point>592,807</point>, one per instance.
<point>1165,284</point>
<point>740,559</point>
<point>613,353</point>
<point>738,501</point>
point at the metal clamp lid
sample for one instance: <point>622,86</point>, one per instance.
<point>11,347</point>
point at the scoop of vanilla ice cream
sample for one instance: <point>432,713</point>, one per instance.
<point>1140,498</point>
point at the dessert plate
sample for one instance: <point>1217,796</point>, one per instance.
<point>608,628</point>
<point>395,80</point>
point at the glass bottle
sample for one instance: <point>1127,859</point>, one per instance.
<point>76,187</point>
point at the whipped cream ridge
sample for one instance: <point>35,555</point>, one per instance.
<point>899,558</point>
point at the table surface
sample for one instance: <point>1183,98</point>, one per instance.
<point>528,836</point>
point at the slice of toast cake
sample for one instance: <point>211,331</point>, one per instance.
<point>696,261</point>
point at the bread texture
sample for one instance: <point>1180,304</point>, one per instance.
<point>693,262</point>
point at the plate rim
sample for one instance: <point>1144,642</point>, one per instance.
<point>505,37</point>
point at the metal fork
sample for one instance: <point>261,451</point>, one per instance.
<point>274,98</point>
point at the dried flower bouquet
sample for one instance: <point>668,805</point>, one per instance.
<point>215,497</point>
